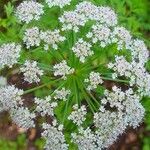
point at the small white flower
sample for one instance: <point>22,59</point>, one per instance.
<point>134,71</point>
<point>139,51</point>
<point>107,16</point>
<point>29,10</point>
<point>32,37</point>
<point>121,65</point>
<point>94,80</point>
<point>9,54</point>
<point>62,69</point>
<point>55,139</point>
<point>31,71</point>
<point>122,35</point>
<point>23,118</point>
<point>51,38</point>
<point>10,97</point>
<point>78,114</point>
<point>88,9</point>
<point>85,139</point>
<point>45,106</point>
<point>61,94</point>
<point>71,20</point>
<point>100,33</point>
<point>104,15</point>
<point>82,49</point>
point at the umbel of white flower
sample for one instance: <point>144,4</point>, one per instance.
<point>82,49</point>
<point>29,10</point>
<point>62,69</point>
<point>10,98</point>
<point>94,80</point>
<point>9,54</point>
<point>134,71</point>
<point>78,114</point>
<point>71,20</point>
<point>61,94</point>
<point>31,71</point>
<point>22,117</point>
<point>51,38</point>
<point>101,34</point>
<point>55,139</point>
<point>45,106</point>
<point>32,37</point>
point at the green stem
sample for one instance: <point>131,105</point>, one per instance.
<point>76,92</point>
<point>39,87</point>
<point>117,80</point>
<point>86,97</point>
<point>89,93</point>
<point>89,101</point>
<point>58,88</point>
<point>93,98</point>
<point>45,67</point>
<point>66,107</point>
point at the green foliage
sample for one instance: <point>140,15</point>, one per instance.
<point>18,144</point>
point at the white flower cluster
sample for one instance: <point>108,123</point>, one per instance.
<point>134,71</point>
<point>104,15</point>
<point>23,118</point>
<point>94,80</point>
<point>29,10</point>
<point>82,49</point>
<point>31,71</point>
<point>55,139</point>
<point>32,37</point>
<point>60,3</point>
<point>128,111</point>
<point>78,114</point>
<point>139,51</point>
<point>84,12</point>
<point>71,20</point>
<point>88,9</point>
<point>10,98</point>
<point>45,106</point>
<point>61,94</point>
<point>51,38</point>
<point>9,54</point>
<point>109,126</point>
<point>62,69</point>
<point>85,139</point>
<point>121,36</point>
<point>122,66</point>
<point>105,35</point>
<point>100,33</point>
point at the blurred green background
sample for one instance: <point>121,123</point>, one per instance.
<point>132,14</point>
